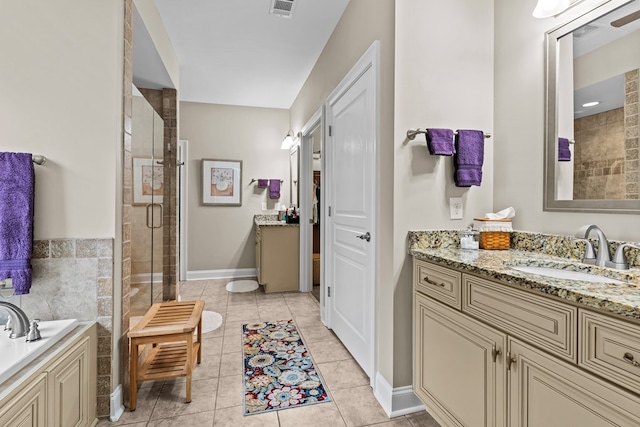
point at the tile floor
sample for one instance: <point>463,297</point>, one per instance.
<point>217,381</point>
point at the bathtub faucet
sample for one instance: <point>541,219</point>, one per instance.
<point>18,318</point>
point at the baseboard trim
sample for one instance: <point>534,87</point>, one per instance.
<point>221,274</point>
<point>396,401</point>
<point>116,406</point>
<point>143,278</point>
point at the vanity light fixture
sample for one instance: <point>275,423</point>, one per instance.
<point>591,104</point>
<point>288,141</point>
<point>548,8</point>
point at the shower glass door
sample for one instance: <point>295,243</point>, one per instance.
<point>147,134</point>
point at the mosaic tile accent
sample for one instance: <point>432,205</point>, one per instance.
<point>541,250</point>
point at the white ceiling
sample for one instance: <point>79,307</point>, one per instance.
<point>234,52</point>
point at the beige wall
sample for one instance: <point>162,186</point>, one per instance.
<point>62,98</point>
<point>433,87</point>
<point>359,26</point>
<point>519,126</point>
<point>611,60</point>
<point>61,85</point>
<point>222,237</point>
<point>443,78</point>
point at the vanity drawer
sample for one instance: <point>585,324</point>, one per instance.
<point>610,348</point>
<point>549,324</point>
<point>439,283</point>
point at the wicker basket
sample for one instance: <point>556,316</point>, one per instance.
<point>494,239</point>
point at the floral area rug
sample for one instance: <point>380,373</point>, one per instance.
<point>278,370</point>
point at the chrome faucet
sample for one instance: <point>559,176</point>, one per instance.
<point>603,257</point>
<point>18,318</point>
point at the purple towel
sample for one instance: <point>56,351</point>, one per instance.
<point>564,153</point>
<point>263,183</point>
<point>468,158</point>
<point>17,182</point>
<point>440,142</point>
<point>274,188</point>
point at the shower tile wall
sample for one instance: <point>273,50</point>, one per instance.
<point>599,156</point>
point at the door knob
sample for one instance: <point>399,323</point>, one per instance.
<point>366,236</point>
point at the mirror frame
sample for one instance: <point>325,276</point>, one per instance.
<point>551,124</point>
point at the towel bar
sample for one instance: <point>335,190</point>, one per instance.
<point>411,133</point>
<point>38,159</point>
<point>255,180</point>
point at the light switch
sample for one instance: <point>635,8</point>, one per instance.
<point>264,206</point>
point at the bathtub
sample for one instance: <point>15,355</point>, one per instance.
<point>17,353</point>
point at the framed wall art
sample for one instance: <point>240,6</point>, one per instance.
<point>148,180</point>
<point>222,182</point>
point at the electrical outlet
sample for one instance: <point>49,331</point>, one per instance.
<point>455,207</point>
<point>264,206</point>
<point>6,288</point>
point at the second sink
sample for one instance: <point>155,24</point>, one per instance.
<point>564,274</point>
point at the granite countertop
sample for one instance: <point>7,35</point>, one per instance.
<point>270,220</point>
<point>621,299</point>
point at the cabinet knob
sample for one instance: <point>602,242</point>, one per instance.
<point>628,357</point>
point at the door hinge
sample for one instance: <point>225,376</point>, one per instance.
<point>330,130</point>
<point>329,291</point>
<point>329,210</point>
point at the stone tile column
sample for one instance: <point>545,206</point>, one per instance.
<point>631,129</point>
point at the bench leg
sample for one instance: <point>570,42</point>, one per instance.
<point>133,380</point>
<point>189,365</point>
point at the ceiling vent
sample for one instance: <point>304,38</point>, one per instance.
<point>283,8</point>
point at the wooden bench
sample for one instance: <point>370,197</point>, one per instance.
<point>169,327</point>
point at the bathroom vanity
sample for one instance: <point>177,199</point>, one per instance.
<point>277,254</point>
<point>494,346</point>
<point>58,388</point>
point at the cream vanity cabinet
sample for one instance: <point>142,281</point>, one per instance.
<point>278,257</point>
<point>488,354</point>
<point>60,391</point>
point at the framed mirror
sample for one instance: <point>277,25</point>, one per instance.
<point>591,135</point>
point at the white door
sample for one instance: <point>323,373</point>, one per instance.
<point>350,238</point>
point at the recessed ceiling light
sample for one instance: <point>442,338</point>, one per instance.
<point>591,104</point>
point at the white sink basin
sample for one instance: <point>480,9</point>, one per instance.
<point>18,353</point>
<point>565,274</point>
